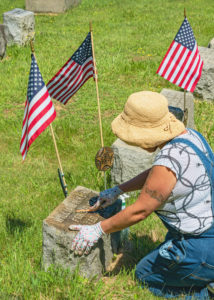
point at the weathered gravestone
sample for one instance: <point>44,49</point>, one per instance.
<point>129,161</point>
<point>205,86</point>
<point>20,26</point>
<point>176,99</point>
<point>57,237</point>
<point>50,6</point>
<point>211,43</point>
<point>3,42</point>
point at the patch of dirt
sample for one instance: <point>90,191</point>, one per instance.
<point>11,112</point>
<point>43,297</point>
<point>124,259</point>
<point>108,280</point>
<point>5,58</point>
<point>154,236</point>
<point>58,106</point>
<point>107,114</point>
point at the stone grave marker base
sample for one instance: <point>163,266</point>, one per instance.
<point>20,26</point>
<point>57,238</point>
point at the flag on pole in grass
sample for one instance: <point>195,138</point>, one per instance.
<point>75,72</point>
<point>182,64</point>
<point>39,110</point>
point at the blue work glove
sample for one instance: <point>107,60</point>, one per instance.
<point>86,238</point>
<point>107,198</point>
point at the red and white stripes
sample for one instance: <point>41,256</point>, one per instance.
<point>38,114</point>
<point>181,66</point>
<point>69,79</point>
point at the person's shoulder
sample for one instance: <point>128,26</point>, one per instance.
<point>177,149</point>
<point>192,136</point>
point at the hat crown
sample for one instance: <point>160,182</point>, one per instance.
<point>145,109</point>
<point>146,121</point>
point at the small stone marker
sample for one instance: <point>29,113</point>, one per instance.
<point>176,98</point>
<point>211,43</point>
<point>205,87</point>
<point>57,238</point>
<point>3,42</point>
<point>50,6</point>
<point>20,26</point>
<point>129,161</point>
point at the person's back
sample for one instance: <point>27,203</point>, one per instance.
<point>189,207</point>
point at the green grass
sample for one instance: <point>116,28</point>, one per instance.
<point>131,38</point>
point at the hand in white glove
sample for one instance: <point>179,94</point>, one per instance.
<point>86,238</point>
<point>107,198</point>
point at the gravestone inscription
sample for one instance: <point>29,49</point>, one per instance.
<point>57,237</point>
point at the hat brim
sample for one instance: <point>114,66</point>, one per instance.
<point>147,137</point>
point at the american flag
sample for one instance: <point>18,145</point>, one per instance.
<point>182,64</point>
<point>75,72</point>
<point>39,110</point>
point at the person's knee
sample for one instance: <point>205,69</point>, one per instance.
<point>145,270</point>
<point>140,272</point>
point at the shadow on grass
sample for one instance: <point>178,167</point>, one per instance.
<point>16,225</point>
<point>132,252</point>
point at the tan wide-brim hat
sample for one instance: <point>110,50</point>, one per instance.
<point>146,121</point>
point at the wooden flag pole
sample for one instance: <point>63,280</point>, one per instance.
<point>65,190</point>
<point>54,140</point>
<point>98,98</point>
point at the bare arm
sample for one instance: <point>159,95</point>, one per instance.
<point>135,183</point>
<point>157,188</point>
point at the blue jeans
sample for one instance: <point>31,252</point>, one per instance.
<point>179,267</point>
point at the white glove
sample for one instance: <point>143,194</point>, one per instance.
<point>86,238</point>
<point>107,197</point>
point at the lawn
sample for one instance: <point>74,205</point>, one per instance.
<point>131,38</point>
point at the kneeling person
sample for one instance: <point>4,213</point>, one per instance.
<point>179,188</point>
